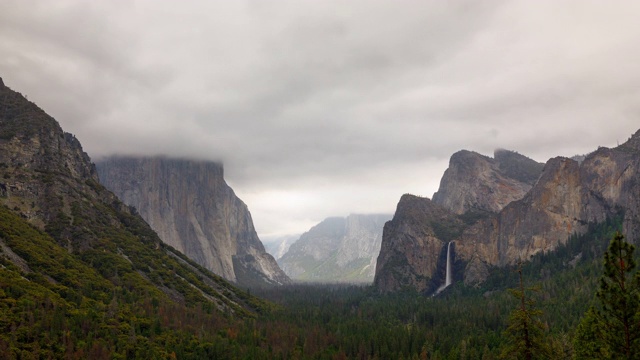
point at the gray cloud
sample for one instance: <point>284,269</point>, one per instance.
<point>321,108</point>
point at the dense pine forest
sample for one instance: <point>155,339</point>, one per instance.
<point>461,323</point>
<point>79,315</point>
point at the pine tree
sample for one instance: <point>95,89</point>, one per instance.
<point>619,301</point>
<point>525,331</point>
<point>589,339</point>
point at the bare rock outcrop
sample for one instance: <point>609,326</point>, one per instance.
<point>412,242</point>
<point>44,169</point>
<point>47,180</point>
<point>566,196</point>
<point>191,207</point>
<point>474,182</point>
<point>337,250</point>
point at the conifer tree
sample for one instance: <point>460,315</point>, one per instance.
<point>619,301</point>
<point>589,339</point>
<point>525,331</point>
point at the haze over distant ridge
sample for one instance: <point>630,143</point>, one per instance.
<point>325,108</point>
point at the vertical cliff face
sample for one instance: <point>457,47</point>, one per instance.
<point>280,245</point>
<point>543,219</point>
<point>568,196</point>
<point>47,180</point>
<point>565,198</point>
<point>475,182</point>
<point>613,179</point>
<point>412,242</point>
<point>361,243</point>
<point>192,208</point>
<point>337,250</point>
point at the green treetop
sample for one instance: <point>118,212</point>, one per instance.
<point>611,329</point>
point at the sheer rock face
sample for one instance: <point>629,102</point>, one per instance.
<point>192,208</point>
<point>476,182</point>
<point>566,197</point>
<point>48,180</point>
<point>337,250</point>
<point>280,245</point>
<point>542,220</point>
<point>411,244</point>
<point>362,238</point>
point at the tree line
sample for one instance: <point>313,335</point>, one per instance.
<point>566,304</point>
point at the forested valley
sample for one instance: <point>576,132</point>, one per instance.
<point>356,322</point>
<point>81,316</point>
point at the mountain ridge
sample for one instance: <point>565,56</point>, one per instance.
<point>338,249</point>
<point>72,253</point>
<point>567,196</point>
<point>477,182</point>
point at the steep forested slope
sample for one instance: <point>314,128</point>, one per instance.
<point>83,273</point>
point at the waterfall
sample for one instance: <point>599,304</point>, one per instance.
<point>447,278</point>
<point>449,272</point>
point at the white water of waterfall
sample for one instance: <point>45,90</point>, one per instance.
<point>447,278</point>
<point>448,275</point>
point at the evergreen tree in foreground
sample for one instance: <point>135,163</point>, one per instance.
<point>611,329</point>
<point>525,331</point>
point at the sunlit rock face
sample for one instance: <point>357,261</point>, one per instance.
<point>563,199</point>
<point>192,208</point>
<point>337,250</point>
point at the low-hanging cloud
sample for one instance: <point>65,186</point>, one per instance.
<point>321,108</point>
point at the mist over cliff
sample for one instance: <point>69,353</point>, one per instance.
<point>82,265</point>
<point>191,207</point>
<point>278,246</point>
<point>338,249</point>
<point>503,210</point>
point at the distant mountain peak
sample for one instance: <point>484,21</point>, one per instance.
<point>338,249</point>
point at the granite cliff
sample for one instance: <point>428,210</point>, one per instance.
<point>336,250</point>
<point>565,197</point>
<point>474,182</point>
<point>278,246</point>
<point>412,242</point>
<point>77,240</point>
<point>191,207</point>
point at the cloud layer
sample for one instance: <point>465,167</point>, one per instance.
<point>321,108</point>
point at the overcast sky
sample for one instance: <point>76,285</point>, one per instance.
<point>324,108</point>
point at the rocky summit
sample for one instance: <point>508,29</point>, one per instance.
<point>337,249</point>
<point>498,213</point>
<point>191,207</point>
<point>474,182</point>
